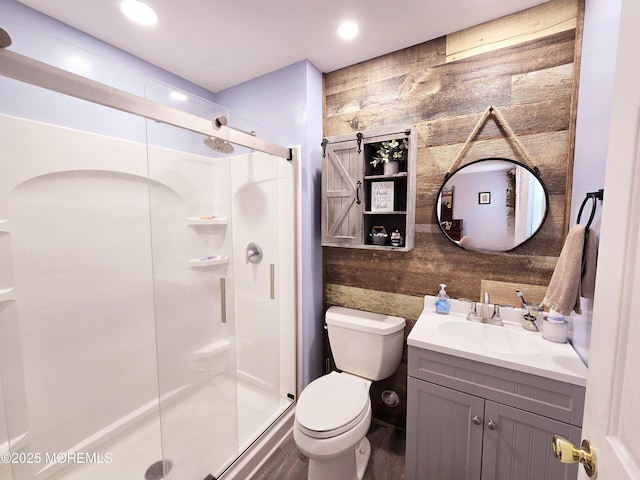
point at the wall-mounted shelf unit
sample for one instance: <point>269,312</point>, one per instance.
<point>362,204</point>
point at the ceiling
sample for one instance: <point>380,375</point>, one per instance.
<point>220,43</point>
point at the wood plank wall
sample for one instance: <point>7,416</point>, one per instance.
<point>525,64</point>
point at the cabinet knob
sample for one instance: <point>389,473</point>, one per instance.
<point>492,425</point>
<point>476,420</point>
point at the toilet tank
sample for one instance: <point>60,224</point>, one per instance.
<point>365,344</point>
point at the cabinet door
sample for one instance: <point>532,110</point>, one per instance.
<point>342,195</point>
<point>443,442</point>
<point>517,445</point>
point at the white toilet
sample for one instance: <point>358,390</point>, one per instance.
<point>333,413</point>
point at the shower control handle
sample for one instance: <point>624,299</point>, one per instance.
<point>254,253</point>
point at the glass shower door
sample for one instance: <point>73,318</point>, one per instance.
<point>215,236</point>
<point>134,332</point>
<point>78,351</point>
<point>193,287</point>
<point>255,187</point>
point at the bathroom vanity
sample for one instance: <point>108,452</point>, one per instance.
<point>485,401</point>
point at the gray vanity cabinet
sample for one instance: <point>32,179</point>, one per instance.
<point>442,440</point>
<point>472,421</point>
<point>519,445</point>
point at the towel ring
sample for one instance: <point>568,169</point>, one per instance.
<point>599,195</point>
<point>594,196</point>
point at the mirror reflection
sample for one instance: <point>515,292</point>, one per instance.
<point>493,204</point>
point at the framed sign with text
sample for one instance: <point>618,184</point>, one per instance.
<point>382,196</point>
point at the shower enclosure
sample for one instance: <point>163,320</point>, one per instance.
<point>138,339</point>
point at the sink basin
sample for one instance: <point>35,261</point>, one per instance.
<point>492,338</point>
<point>508,346</point>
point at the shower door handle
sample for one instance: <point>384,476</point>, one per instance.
<point>272,279</point>
<point>223,300</point>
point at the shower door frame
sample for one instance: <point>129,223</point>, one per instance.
<point>33,72</point>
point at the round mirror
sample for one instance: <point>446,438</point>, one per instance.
<point>492,205</point>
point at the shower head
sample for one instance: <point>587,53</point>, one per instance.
<point>219,145</point>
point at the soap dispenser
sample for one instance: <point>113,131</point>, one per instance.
<point>442,301</point>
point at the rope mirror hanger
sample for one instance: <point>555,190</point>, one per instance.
<point>491,110</point>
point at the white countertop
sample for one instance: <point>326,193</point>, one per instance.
<point>509,346</point>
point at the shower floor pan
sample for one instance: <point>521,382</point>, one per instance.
<point>198,436</point>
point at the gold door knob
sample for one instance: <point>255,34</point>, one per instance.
<point>566,452</point>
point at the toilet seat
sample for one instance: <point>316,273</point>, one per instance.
<point>332,405</point>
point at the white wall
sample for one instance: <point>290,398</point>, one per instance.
<point>483,224</point>
<point>599,47</point>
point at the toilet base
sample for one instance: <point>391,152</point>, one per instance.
<point>350,465</point>
<point>363,452</point>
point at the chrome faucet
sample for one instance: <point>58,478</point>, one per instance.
<point>489,314</point>
<point>485,308</point>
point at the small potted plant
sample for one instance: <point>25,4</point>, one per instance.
<point>390,154</point>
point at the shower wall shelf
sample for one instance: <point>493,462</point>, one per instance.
<point>214,348</point>
<point>4,225</point>
<point>209,261</point>
<point>7,294</point>
<point>207,221</point>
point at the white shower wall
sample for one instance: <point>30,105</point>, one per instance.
<point>255,190</point>
<point>70,255</point>
<point>105,312</point>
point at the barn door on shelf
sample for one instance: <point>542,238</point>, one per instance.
<point>342,194</point>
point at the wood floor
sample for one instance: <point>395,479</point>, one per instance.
<point>386,462</point>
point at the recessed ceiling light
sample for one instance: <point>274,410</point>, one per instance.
<point>348,30</point>
<point>178,96</point>
<point>139,12</point>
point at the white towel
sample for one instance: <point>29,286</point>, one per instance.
<point>567,282</point>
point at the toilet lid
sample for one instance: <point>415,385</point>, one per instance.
<point>332,404</point>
